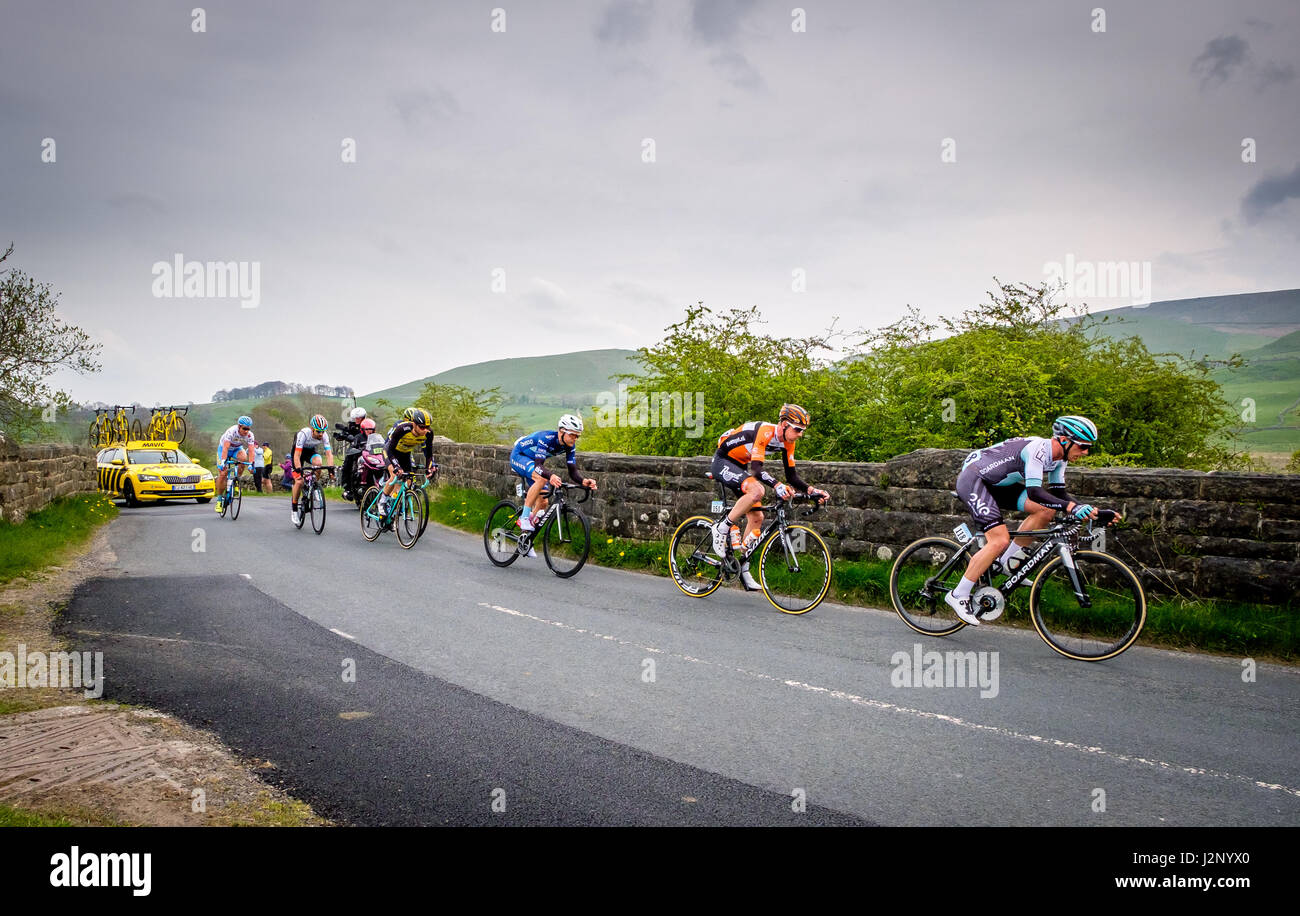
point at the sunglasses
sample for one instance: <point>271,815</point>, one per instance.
<point>244,429</point>
<point>797,429</point>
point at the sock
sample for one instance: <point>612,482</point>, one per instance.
<point>524,515</point>
<point>294,506</point>
<point>963,588</point>
<point>1013,551</point>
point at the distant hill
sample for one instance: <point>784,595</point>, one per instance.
<point>1213,326</point>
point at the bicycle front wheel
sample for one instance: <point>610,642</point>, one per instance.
<point>794,568</point>
<point>179,425</point>
<point>501,533</point>
<point>1098,624</point>
<point>406,520</point>
<point>372,526</point>
<point>566,541</point>
<point>695,568</point>
<point>236,500</point>
<point>316,505</point>
<point>423,497</point>
<point>923,574</point>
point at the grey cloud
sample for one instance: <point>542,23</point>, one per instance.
<point>625,22</point>
<point>716,21</point>
<point>1268,193</point>
<point>1220,59</point>
<point>1271,74</point>
<point>138,201</point>
<point>420,107</point>
<point>738,70</point>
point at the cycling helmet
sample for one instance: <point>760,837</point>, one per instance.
<point>1076,429</point>
<point>795,414</point>
<point>358,414</point>
<point>367,425</point>
<point>244,421</point>
<point>319,423</point>
<point>417,415</point>
<point>570,422</point>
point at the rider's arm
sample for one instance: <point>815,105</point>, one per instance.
<point>428,449</point>
<point>791,475</point>
<point>571,461</point>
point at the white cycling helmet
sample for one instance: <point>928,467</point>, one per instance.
<point>570,423</point>
<point>358,414</point>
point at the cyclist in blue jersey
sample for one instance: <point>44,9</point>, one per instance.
<point>1011,475</point>
<point>528,455</point>
<point>235,443</point>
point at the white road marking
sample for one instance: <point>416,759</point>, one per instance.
<point>995,730</point>
<point>341,633</point>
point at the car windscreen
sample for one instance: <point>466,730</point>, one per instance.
<point>155,456</point>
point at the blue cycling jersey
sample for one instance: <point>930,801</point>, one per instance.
<point>542,445</point>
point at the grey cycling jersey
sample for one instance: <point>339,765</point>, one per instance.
<point>1020,462</point>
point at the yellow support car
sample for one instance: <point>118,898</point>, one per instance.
<point>145,470</point>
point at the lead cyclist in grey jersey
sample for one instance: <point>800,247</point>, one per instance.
<point>1010,475</point>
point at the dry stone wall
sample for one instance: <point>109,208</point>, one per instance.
<point>31,476</point>
<point>1227,535</point>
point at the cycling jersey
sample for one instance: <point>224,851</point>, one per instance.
<point>530,453</point>
<point>749,445</point>
<point>403,439</point>
<point>305,440</point>
<point>1006,475</point>
<point>232,440</point>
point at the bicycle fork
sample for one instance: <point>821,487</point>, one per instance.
<point>1080,593</point>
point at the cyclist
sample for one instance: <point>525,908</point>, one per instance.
<point>412,432</point>
<point>311,440</point>
<point>1010,475</point>
<point>738,466</point>
<point>529,454</point>
<point>235,443</point>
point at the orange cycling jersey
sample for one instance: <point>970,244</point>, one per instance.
<point>753,442</point>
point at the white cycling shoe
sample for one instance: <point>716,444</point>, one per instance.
<point>721,535</point>
<point>962,607</point>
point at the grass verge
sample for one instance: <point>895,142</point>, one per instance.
<point>1228,627</point>
<point>47,536</point>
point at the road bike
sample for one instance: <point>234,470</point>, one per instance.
<point>407,512</point>
<point>564,530</point>
<point>108,430</point>
<point>165,422</point>
<point>233,498</point>
<point>1085,604</point>
<point>311,498</point>
<point>794,563</point>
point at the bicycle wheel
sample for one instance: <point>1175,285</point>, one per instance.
<point>424,509</point>
<point>178,424</point>
<point>501,533</point>
<point>137,430</point>
<point>566,541</point>
<point>1112,622</point>
<point>236,501</point>
<point>923,574</point>
<point>94,435</point>
<point>304,501</point>
<point>316,505</point>
<point>406,519</point>
<point>371,525</point>
<point>795,569</point>
<point>695,568</point>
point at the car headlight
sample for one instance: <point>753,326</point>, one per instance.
<point>144,477</point>
<point>206,477</point>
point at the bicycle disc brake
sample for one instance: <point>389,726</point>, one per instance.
<point>988,603</point>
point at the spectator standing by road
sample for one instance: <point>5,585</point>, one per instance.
<point>260,469</point>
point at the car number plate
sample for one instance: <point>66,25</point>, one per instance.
<point>188,487</point>
<point>963,533</point>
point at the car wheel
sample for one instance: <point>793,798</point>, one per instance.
<point>128,493</point>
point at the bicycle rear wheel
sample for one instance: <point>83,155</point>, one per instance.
<point>178,425</point>
<point>317,508</point>
<point>923,574</point>
<point>136,429</point>
<point>1103,630</point>
<point>236,500</point>
<point>566,541</point>
<point>371,524</point>
<point>406,519</point>
<point>695,568</point>
<point>795,569</point>
<point>501,533</point>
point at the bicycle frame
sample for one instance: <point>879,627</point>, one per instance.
<point>1056,539</point>
<point>778,525</point>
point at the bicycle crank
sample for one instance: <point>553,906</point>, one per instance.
<point>988,603</point>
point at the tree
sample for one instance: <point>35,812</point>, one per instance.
<point>34,344</point>
<point>459,413</point>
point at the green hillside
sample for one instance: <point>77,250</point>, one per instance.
<point>562,380</point>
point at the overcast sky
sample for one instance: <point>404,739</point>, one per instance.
<point>520,157</point>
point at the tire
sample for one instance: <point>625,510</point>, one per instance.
<point>1092,634</point>
<point>917,590</point>
<point>236,501</point>
<point>317,508</point>
<point>94,434</point>
<point>424,509</point>
<point>795,582</point>
<point>371,528</point>
<point>500,539</point>
<point>128,493</point>
<point>180,424</point>
<point>137,431</point>
<point>406,519</point>
<point>695,568</point>
<point>225,503</point>
<point>566,542</point>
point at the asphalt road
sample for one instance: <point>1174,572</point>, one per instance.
<point>612,698</point>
